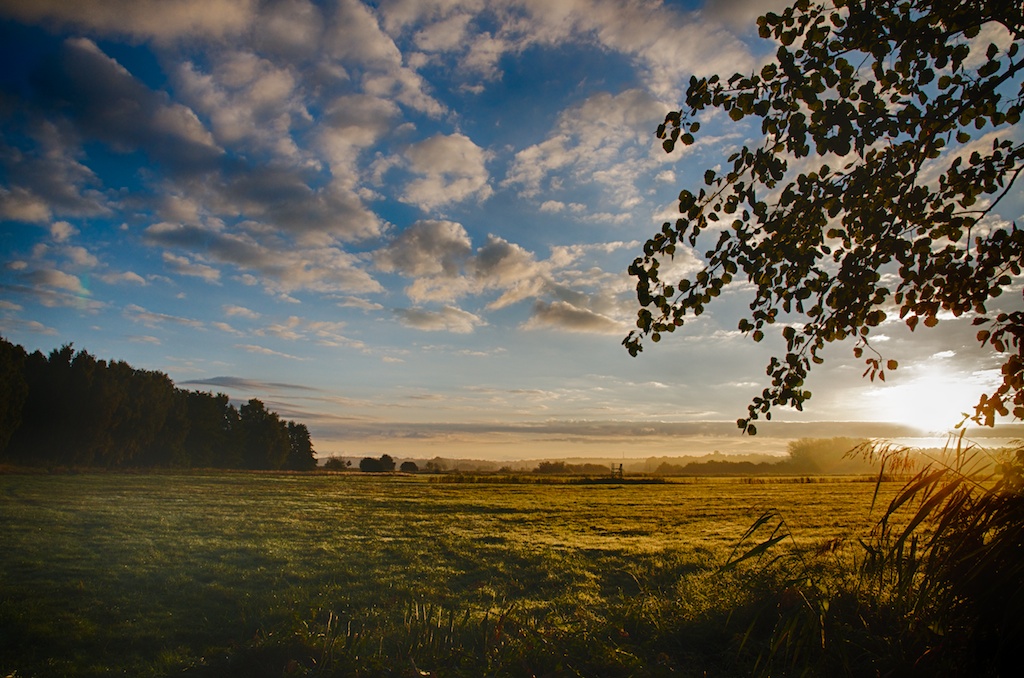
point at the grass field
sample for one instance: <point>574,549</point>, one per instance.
<point>275,574</point>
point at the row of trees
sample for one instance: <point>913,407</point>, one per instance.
<point>806,456</point>
<point>68,408</point>
<point>386,464</point>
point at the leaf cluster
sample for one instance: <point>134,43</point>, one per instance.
<point>888,142</point>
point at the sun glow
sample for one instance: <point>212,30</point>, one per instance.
<point>934,400</point>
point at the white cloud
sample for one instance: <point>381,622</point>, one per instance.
<point>10,325</point>
<point>452,169</point>
<point>444,35</point>
<point>48,178</point>
<point>350,124</point>
<point>427,248</point>
<point>113,106</point>
<point>183,266</point>
<point>287,330</point>
<point>158,19</point>
<point>145,339</point>
<point>667,44</point>
<point>356,302</point>
<point>231,311</point>
<point>604,141</point>
<point>564,316</point>
<point>448,319</point>
<point>502,265</point>
<point>20,204</point>
<point>291,28</point>
<point>354,36</point>
<point>61,231</point>
<point>153,319</point>
<point>51,277</point>
<point>742,14</point>
<point>282,268</point>
<point>80,257</point>
<point>261,350</point>
<point>398,14</point>
<point>247,99</point>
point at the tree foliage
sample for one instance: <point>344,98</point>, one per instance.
<point>890,136</point>
<point>69,408</point>
<point>385,464</point>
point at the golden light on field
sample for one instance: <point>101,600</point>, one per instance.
<point>932,399</point>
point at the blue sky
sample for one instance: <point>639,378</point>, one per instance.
<point>405,223</point>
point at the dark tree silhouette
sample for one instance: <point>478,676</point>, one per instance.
<point>265,443</point>
<point>385,464</point>
<point>300,454</point>
<point>13,390</point>
<point>71,408</point>
<point>370,465</point>
<point>335,464</point>
<point>213,422</point>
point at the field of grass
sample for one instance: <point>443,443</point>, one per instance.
<point>250,574</point>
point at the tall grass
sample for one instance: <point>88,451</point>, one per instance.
<point>936,588</point>
<point>239,574</point>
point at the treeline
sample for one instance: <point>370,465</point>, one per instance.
<point>563,468</point>
<point>68,408</point>
<point>806,456</point>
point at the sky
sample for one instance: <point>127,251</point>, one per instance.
<point>405,223</point>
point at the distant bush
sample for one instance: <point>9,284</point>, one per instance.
<point>561,467</point>
<point>336,464</point>
<point>806,456</point>
<point>409,467</point>
<point>385,464</point>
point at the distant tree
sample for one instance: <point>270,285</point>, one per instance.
<point>13,390</point>
<point>152,421</point>
<point>33,442</point>
<point>551,467</point>
<point>370,465</point>
<point>212,434</point>
<point>71,408</point>
<point>301,456</point>
<point>385,464</point>
<point>336,464</point>
<point>409,467</point>
<point>265,442</point>
<point>891,134</point>
<point>825,455</point>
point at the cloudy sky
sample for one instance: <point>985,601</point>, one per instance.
<point>405,223</point>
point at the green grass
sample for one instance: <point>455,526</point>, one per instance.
<point>277,574</point>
